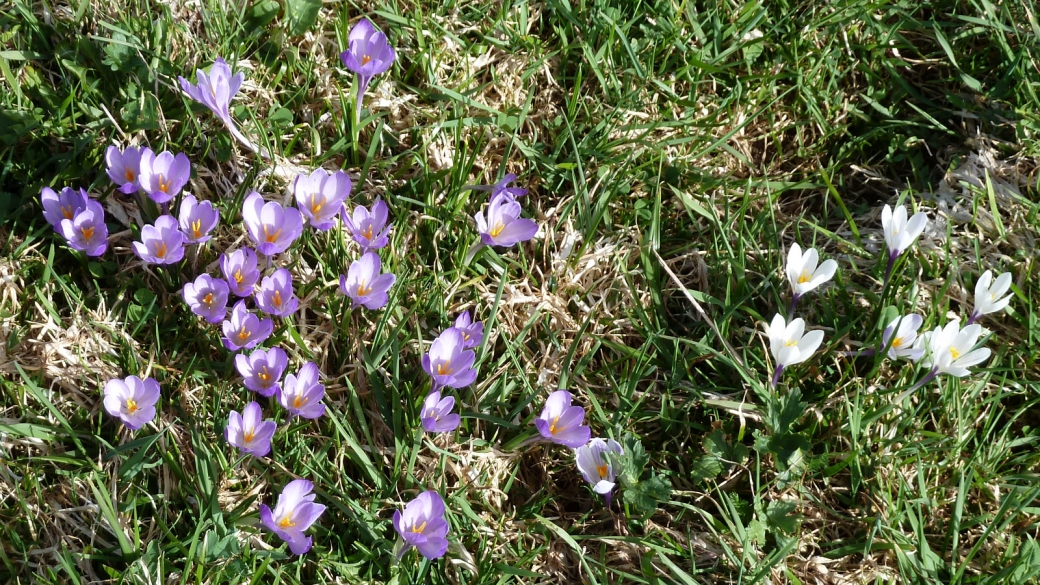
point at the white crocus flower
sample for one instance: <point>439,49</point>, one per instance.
<point>595,467</point>
<point>988,295</point>
<point>789,343</point>
<point>950,350</point>
<point>902,332</point>
<point>803,272</point>
<point>901,233</point>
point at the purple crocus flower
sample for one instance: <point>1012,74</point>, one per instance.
<point>561,423</point>
<point>293,514</point>
<point>368,55</point>
<point>87,231</point>
<point>271,226</point>
<point>369,229</point>
<point>163,175</point>
<point>263,370</point>
<point>64,205</point>
<point>596,468</point>
<point>301,394</point>
<point>249,431</point>
<point>197,219</point>
<point>436,414</point>
<point>472,332</point>
<point>365,284</point>
<point>124,167</point>
<point>448,362</point>
<point>215,91</point>
<point>501,188</point>
<point>132,399</point>
<point>240,271</point>
<point>161,243</point>
<point>276,296</point>
<point>504,226</point>
<point>245,330</point>
<point>423,526</point>
<point>207,297</point>
<point>321,195</point>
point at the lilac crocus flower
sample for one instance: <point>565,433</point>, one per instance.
<point>207,297</point>
<point>365,284</point>
<point>596,468</point>
<point>249,431</point>
<point>124,167</point>
<point>368,54</point>
<point>197,219</point>
<point>423,526</point>
<point>161,243</point>
<point>271,226</point>
<point>240,271</point>
<point>263,370</point>
<point>215,91</point>
<point>501,188</point>
<point>245,330</point>
<point>436,414</point>
<point>561,423</point>
<point>321,195</point>
<point>163,175</point>
<point>63,205</point>
<point>448,362</point>
<point>369,228</point>
<point>132,399</point>
<point>87,231</point>
<point>503,225</point>
<point>301,394</point>
<point>276,296</point>
<point>472,332</point>
<point>293,514</point>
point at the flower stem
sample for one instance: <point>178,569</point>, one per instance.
<point>928,378</point>
<point>866,352</point>
<point>888,272</point>
<point>776,375</point>
<point>973,318</point>
<point>790,312</point>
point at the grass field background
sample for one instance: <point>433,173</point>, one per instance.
<point>673,150</point>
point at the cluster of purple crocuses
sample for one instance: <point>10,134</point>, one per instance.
<point>450,365</point>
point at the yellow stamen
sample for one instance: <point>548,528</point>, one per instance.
<point>67,211</point>
<point>790,342</point>
<point>286,522</point>
<point>238,276</point>
<point>129,175</point>
<point>208,300</point>
<point>552,428</point>
<point>362,290</point>
<point>418,529</point>
<point>367,233</point>
<point>953,352</point>
<point>299,401</point>
<point>277,299</point>
<point>248,435</point>
<point>243,334</point>
<point>271,237</point>
<point>316,205</point>
<point>602,470</point>
<point>163,185</point>
<point>364,61</point>
<point>196,228</point>
<point>264,374</point>
<point>131,405</point>
<point>465,336</point>
<point>160,250</point>
<point>444,369</point>
<point>87,232</point>
<point>897,342</point>
<point>805,277</point>
<point>497,229</point>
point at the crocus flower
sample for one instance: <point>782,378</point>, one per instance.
<point>263,370</point>
<point>197,219</point>
<point>595,467</point>
<point>436,414</point>
<point>369,229</point>
<point>789,343</point>
<point>501,188</point>
<point>423,526</point>
<point>449,362</point>
<point>272,227</point>
<point>950,349</point>
<point>988,295</point>
<point>276,296</point>
<point>804,274</point>
<point>124,167</point>
<point>249,431</point>
<point>132,399</point>
<point>207,297</point>
<point>321,195</point>
<point>900,233</point>
<point>64,205</point>
<point>472,332</point>
<point>245,330</point>
<point>364,283</point>
<point>240,271</point>
<point>368,54</point>
<point>163,175</point>
<point>293,514</point>
<point>87,231</point>
<point>161,243</point>
<point>503,225</point>
<point>561,423</point>
<point>902,332</point>
<point>301,394</point>
<point>215,91</point>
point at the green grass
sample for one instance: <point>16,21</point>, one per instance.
<point>711,134</point>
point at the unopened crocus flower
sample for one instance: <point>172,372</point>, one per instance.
<point>276,296</point>
<point>207,297</point>
<point>124,167</point>
<point>301,394</point>
<point>197,219</point>
<point>263,370</point>
<point>561,423</point>
<point>369,228</point>
<point>449,363</point>
<point>321,195</point>
<point>364,282</point>
<point>436,414</point>
<point>501,188</point>
<point>271,226</point>
<point>949,351</point>
<point>244,330</point>
<point>249,431</point>
<point>789,343</point>
<point>63,205</point>
<point>423,526</point>
<point>902,332</point>
<point>503,225</point>
<point>989,295</point>
<point>162,243</point>
<point>215,91</point>
<point>163,175</point>
<point>132,399</point>
<point>239,268</point>
<point>804,274</point>
<point>900,233</point>
<point>472,331</point>
<point>368,54</point>
<point>86,231</point>
<point>293,514</point>
<point>595,466</point>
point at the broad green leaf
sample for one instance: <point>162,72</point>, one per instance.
<point>301,15</point>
